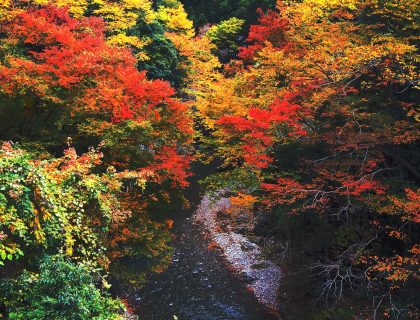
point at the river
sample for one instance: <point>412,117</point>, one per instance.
<point>197,285</point>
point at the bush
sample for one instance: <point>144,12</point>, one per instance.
<point>61,290</point>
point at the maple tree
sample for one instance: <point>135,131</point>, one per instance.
<point>63,73</point>
<point>346,104</point>
<point>313,116</point>
<point>132,24</point>
<point>66,81</point>
<point>271,28</point>
<point>121,16</point>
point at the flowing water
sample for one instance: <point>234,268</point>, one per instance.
<point>197,285</point>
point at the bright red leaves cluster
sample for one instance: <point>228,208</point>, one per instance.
<point>270,28</point>
<point>262,128</point>
<point>170,164</point>
<point>67,61</point>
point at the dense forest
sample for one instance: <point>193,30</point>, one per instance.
<point>305,114</point>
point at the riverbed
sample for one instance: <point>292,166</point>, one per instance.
<point>198,285</point>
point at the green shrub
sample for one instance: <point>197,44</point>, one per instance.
<point>61,290</point>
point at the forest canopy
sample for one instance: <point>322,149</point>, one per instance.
<point>309,109</point>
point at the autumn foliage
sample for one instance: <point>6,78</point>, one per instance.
<point>271,28</point>
<point>320,109</point>
<point>313,116</point>
<point>67,62</point>
<point>69,81</point>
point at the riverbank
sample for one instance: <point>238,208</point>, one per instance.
<point>244,256</point>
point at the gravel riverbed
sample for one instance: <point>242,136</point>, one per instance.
<point>244,256</point>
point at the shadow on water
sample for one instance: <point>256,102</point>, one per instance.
<point>197,285</point>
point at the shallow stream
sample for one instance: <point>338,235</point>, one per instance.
<point>197,285</point>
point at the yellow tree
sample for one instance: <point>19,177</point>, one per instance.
<point>76,7</point>
<point>174,17</point>
<point>122,16</point>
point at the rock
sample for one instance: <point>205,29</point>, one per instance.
<point>248,246</point>
<point>248,278</point>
